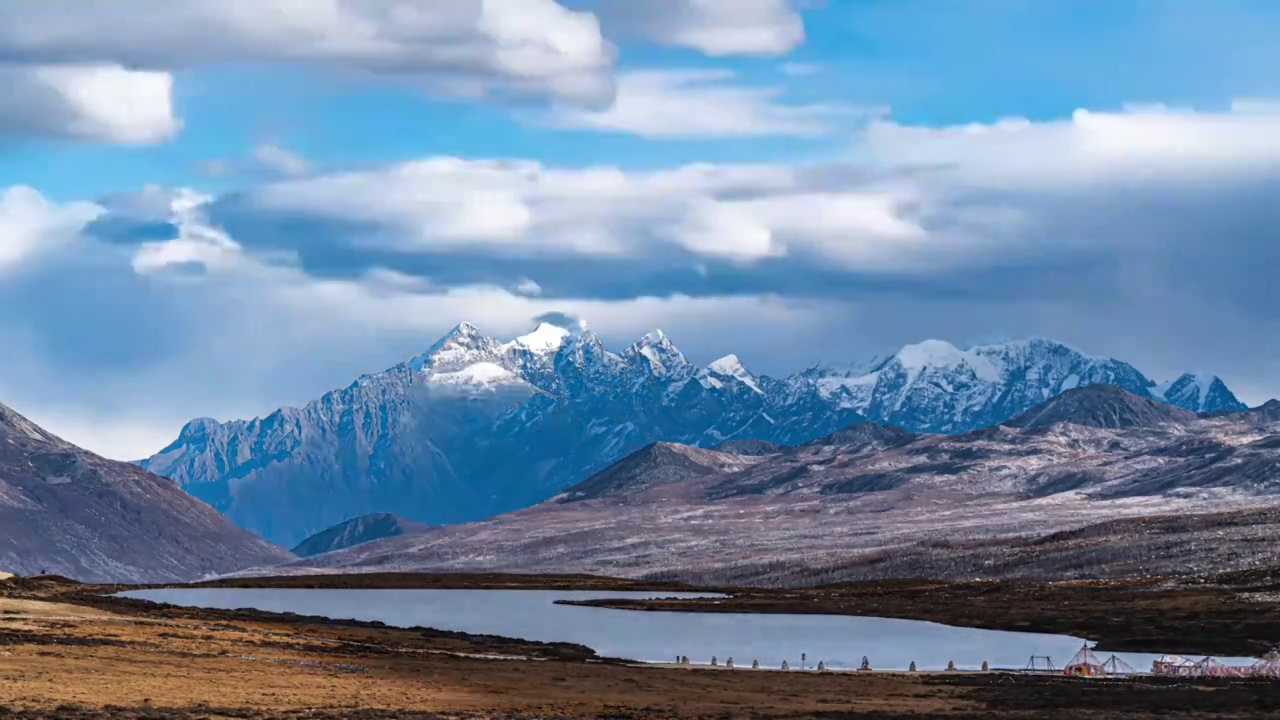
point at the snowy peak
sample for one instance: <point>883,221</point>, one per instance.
<point>656,353</point>
<point>545,339</point>
<point>930,353</point>
<point>730,366</point>
<point>463,334</point>
<point>942,355</point>
<point>462,346</point>
<point>1198,392</point>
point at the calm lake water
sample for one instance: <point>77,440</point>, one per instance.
<point>839,641</point>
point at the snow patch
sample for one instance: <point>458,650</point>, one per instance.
<point>481,374</point>
<point>731,366</point>
<point>940,354</point>
<point>545,338</point>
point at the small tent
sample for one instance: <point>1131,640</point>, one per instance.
<point>1085,664</point>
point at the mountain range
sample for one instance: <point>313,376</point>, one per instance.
<point>1072,488</point>
<point>476,426</point>
<point>65,510</point>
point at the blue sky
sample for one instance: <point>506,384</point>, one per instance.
<point>234,206</point>
<point>930,62</point>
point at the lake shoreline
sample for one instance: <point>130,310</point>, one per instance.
<point>69,651</point>
<point>1235,614</point>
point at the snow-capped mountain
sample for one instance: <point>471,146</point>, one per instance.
<point>936,387</point>
<point>477,426</point>
<point>1198,392</point>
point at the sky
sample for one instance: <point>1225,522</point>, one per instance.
<point>217,207</point>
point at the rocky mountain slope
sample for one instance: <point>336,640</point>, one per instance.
<point>475,426</point>
<point>877,501</point>
<point>65,510</point>
<point>363,529</point>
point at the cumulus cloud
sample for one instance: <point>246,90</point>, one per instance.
<point>943,207</point>
<point>521,209</point>
<point>65,60</point>
<point>102,102</point>
<point>702,103</point>
<point>714,27</point>
<point>533,45</point>
<point>31,226</point>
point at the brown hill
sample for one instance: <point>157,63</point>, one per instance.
<point>65,510</point>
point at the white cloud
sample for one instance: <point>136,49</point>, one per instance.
<point>66,59</point>
<point>1145,144</point>
<point>30,226</point>
<point>714,27</point>
<point>86,102</point>
<point>702,104</point>
<point>527,287</point>
<point>533,45</point>
<point>921,201</point>
<point>527,210</point>
<point>280,161</point>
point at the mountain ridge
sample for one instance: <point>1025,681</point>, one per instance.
<point>68,511</point>
<point>356,531</point>
<point>476,426</point>
<point>873,501</point>
<point>1102,406</point>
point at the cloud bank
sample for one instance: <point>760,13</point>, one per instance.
<point>103,70</point>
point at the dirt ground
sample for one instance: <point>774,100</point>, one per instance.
<point>66,653</point>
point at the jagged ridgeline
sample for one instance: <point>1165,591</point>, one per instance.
<point>477,426</point>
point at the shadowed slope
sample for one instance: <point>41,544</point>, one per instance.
<point>65,510</point>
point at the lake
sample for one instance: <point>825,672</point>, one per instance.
<point>839,641</point>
